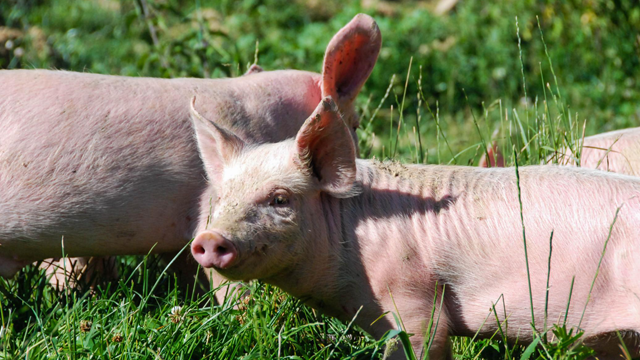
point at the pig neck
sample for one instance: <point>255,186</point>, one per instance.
<point>400,210</point>
<point>380,241</point>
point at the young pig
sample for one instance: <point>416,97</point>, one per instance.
<point>110,163</point>
<point>342,233</point>
<point>614,151</point>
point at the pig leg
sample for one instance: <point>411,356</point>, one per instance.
<point>10,266</point>
<point>186,270</point>
<point>415,323</point>
<point>607,346</point>
<point>439,338</point>
<point>417,326</point>
<point>80,271</point>
<point>91,271</point>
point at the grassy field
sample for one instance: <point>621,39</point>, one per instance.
<point>535,76</point>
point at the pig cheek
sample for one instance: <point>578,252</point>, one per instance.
<point>291,235</point>
<point>277,218</point>
<point>279,256</point>
<point>281,230</point>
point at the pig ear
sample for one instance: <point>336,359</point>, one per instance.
<point>217,146</point>
<point>253,69</point>
<point>349,59</point>
<point>496,159</point>
<point>324,149</point>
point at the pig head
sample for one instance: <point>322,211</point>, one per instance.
<point>269,219</point>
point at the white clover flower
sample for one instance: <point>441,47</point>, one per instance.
<point>175,311</point>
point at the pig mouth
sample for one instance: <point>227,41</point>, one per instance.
<point>243,265</point>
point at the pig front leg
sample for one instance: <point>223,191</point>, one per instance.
<point>438,338</point>
<point>440,348</point>
<point>415,314</point>
<point>9,266</point>
<point>188,273</point>
<point>90,271</point>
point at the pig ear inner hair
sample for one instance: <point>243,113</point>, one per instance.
<point>305,161</point>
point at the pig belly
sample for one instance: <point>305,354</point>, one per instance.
<point>102,218</point>
<point>503,291</point>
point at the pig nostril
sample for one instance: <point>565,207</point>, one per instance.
<point>198,249</point>
<point>212,250</point>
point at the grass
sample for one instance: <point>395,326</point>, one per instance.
<point>128,320</point>
<point>425,103</point>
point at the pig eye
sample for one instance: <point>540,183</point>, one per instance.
<point>279,200</point>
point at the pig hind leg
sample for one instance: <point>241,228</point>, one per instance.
<point>80,272</point>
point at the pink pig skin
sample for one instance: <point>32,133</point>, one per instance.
<point>615,151</point>
<point>110,163</point>
<point>342,233</point>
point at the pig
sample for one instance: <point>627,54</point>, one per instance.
<point>615,151</point>
<point>108,165</point>
<point>349,236</point>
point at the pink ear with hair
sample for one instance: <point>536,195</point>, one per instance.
<point>496,159</point>
<point>253,69</point>
<point>324,149</point>
<point>350,58</point>
<point>216,145</point>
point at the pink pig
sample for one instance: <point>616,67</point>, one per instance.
<point>614,151</point>
<point>110,163</point>
<point>342,233</point>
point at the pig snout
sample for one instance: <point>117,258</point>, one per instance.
<point>212,249</point>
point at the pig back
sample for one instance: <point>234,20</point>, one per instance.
<point>615,151</point>
<point>106,162</point>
